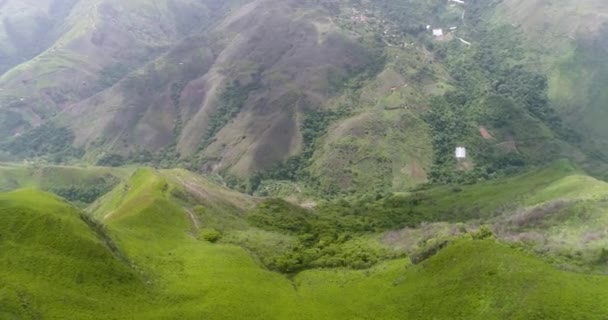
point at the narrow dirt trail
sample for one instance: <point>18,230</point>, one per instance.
<point>191,187</point>
<point>193,219</point>
<point>108,215</point>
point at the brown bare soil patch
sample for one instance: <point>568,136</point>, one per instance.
<point>485,133</point>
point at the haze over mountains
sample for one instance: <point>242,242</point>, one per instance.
<point>234,87</point>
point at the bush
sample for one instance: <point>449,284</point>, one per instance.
<point>483,233</point>
<point>45,140</point>
<point>603,258</point>
<point>429,249</point>
<point>84,194</point>
<point>111,160</point>
<point>210,235</point>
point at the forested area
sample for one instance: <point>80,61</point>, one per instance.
<point>48,140</point>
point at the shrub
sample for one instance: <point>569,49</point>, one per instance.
<point>210,235</point>
<point>430,248</point>
<point>111,160</point>
<point>483,233</point>
<point>603,258</point>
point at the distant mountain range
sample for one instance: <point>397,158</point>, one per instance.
<point>332,96</point>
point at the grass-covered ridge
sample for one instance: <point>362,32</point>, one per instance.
<point>79,185</point>
<point>54,266</point>
<point>187,278</point>
<point>144,250</point>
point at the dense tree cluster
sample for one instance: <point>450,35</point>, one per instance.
<point>232,100</point>
<point>324,239</point>
<point>46,140</point>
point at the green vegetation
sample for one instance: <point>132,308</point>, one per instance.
<point>108,76</point>
<point>84,194</point>
<point>323,240</point>
<point>339,119</point>
<point>458,203</point>
<point>80,185</point>
<point>45,140</point>
<point>175,274</point>
<point>52,264</point>
<point>10,121</point>
<point>494,87</point>
<point>314,126</point>
<point>211,235</point>
<point>111,160</point>
<point>136,252</point>
<point>231,101</point>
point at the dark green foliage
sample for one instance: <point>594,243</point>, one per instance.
<point>85,193</point>
<point>231,101</point>
<point>325,239</point>
<point>325,235</point>
<point>412,15</point>
<point>108,76</point>
<point>431,248</point>
<point>111,160</point>
<point>483,233</point>
<point>603,257</point>
<point>494,86</point>
<point>279,215</point>
<point>314,126</point>
<point>211,235</point>
<point>47,139</point>
<point>102,234</point>
<point>9,122</point>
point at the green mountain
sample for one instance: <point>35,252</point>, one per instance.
<point>285,159</point>
<point>169,244</point>
<point>331,95</point>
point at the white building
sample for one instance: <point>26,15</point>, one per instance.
<point>461,153</point>
<point>437,32</point>
<point>458,1</point>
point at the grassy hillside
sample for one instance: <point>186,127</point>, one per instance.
<point>80,185</point>
<point>491,93</point>
<point>55,266</point>
<point>327,132</point>
<point>570,39</point>
<point>557,212</point>
<point>178,276</point>
<point>94,45</point>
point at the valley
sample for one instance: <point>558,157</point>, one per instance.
<point>284,159</point>
<point>134,250</point>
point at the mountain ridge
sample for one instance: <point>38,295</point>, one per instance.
<point>340,93</point>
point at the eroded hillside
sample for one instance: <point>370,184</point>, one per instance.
<point>288,97</point>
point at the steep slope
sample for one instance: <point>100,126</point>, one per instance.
<point>99,42</point>
<point>319,98</point>
<point>232,98</point>
<point>558,212</point>
<point>143,251</point>
<point>29,27</point>
<point>187,278</point>
<point>571,38</point>
<point>54,265</point>
<point>80,185</point>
